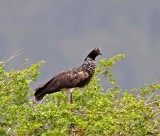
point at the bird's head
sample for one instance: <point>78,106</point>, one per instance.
<point>94,53</point>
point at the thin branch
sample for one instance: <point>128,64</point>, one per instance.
<point>102,71</point>
<point>25,63</point>
<point>104,68</point>
<point>83,109</point>
<point>149,98</point>
<point>153,102</point>
<point>14,54</point>
<point>78,113</point>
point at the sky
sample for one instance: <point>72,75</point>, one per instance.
<point>63,32</point>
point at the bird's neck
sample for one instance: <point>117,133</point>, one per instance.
<point>89,65</point>
<point>91,55</point>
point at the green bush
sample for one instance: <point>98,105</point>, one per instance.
<point>94,112</point>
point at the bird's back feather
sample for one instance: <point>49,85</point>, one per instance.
<point>71,78</point>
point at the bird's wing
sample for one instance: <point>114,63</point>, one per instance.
<point>67,79</point>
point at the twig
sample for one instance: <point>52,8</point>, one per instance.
<point>100,73</point>
<point>25,63</point>
<point>103,70</point>
<point>149,98</point>
<point>79,113</point>
<point>14,54</point>
<point>153,102</point>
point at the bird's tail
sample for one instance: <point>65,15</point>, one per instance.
<point>40,93</point>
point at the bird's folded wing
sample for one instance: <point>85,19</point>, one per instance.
<point>67,79</point>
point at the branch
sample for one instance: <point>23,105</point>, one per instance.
<point>78,113</point>
<point>153,102</point>
<point>14,54</point>
<point>25,63</point>
<point>102,71</point>
<point>149,98</point>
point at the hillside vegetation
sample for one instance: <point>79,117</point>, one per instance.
<point>94,112</point>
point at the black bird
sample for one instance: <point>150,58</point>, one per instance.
<point>76,77</point>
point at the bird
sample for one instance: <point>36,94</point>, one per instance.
<point>71,78</point>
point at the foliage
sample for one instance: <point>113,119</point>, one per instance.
<point>94,112</point>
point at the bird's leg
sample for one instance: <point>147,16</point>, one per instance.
<point>70,98</point>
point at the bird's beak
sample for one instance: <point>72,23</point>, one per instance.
<point>100,53</point>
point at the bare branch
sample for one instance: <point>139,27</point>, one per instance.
<point>14,54</point>
<point>149,98</point>
<point>157,101</point>
<point>25,63</point>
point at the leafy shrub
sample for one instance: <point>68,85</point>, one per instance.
<point>94,112</point>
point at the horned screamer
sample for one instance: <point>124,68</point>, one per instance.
<point>71,78</point>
